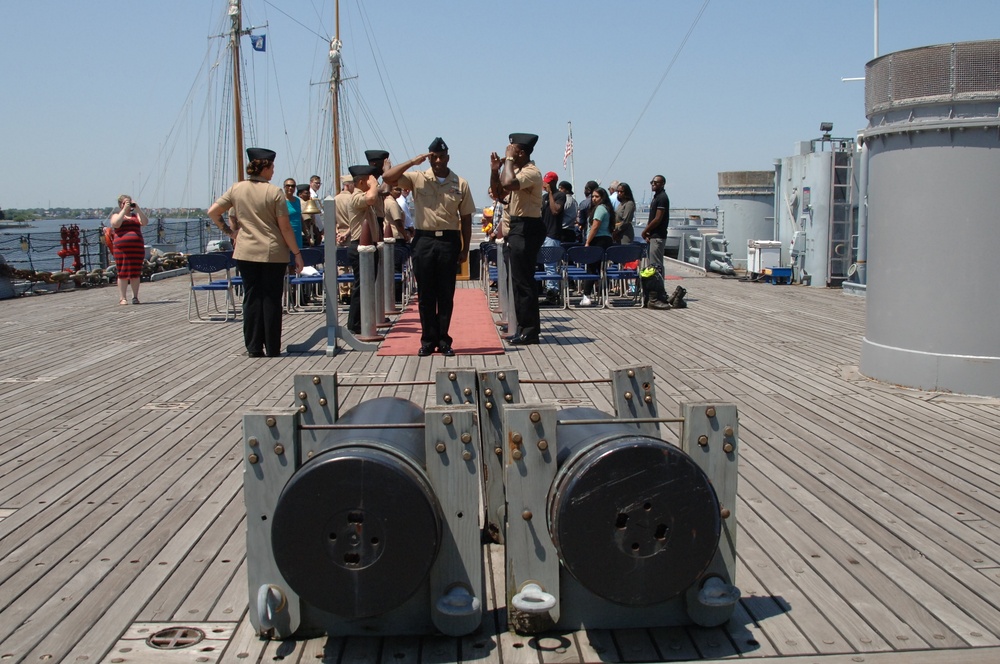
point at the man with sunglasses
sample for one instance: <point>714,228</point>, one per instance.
<point>655,232</point>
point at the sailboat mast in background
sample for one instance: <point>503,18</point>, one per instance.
<point>335,59</point>
<point>234,44</point>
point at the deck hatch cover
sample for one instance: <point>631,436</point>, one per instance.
<point>175,638</point>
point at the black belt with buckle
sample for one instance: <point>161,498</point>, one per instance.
<point>449,234</point>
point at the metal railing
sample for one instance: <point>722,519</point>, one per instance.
<point>39,251</point>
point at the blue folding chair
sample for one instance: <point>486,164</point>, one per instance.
<point>345,275</point>
<point>297,284</point>
<point>551,255</point>
<point>577,259</point>
<point>402,272</point>
<point>210,265</point>
<point>615,258</point>
<point>489,272</point>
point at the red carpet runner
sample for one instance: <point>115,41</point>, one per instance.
<point>472,328</point>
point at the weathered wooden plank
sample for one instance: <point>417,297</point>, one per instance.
<point>908,528</point>
<point>232,602</point>
<point>245,646</point>
<point>207,595</point>
<point>192,569</point>
<point>114,597</point>
<point>769,613</point>
<point>933,588</point>
<point>914,473</point>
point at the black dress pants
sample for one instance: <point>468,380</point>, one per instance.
<point>263,287</point>
<point>523,242</point>
<point>435,267</point>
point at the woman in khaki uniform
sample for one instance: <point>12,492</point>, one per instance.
<point>263,238</point>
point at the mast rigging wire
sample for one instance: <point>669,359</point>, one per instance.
<point>393,101</point>
<point>658,85</point>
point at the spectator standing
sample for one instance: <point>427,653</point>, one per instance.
<point>553,209</point>
<point>570,228</point>
<point>314,193</point>
<point>624,231</point>
<point>583,210</point>
<point>602,214</point>
<point>294,210</point>
<point>264,239</point>
<point>613,193</point>
<point>402,197</point>
<point>129,248</point>
<point>308,225</point>
<point>393,225</point>
<point>655,232</point>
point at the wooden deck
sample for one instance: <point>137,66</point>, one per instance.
<point>868,514</point>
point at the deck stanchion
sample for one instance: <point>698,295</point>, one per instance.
<point>504,288</point>
<point>369,290</point>
<point>388,271</point>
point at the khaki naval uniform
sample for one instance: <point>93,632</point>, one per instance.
<point>358,214</point>
<point>263,257</point>
<point>257,205</point>
<point>437,243</point>
<point>524,239</point>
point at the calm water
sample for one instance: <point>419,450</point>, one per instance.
<point>35,247</point>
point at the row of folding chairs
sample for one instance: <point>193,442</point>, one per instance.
<point>219,274</point>
<point>618,271</point>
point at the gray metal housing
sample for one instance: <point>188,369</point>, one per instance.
<point>934,144</point>
<point>746,210</point>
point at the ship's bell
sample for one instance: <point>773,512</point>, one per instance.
<point>311,207</point>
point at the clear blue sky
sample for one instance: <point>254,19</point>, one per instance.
<point>106,97</point>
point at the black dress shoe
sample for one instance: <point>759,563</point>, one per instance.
<point>253,354</point>
<point>425,351</point>
<point>521,340</point>
<point>446,350</point>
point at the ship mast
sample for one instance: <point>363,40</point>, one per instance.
<point>335,59</point>
<point>234,44</point>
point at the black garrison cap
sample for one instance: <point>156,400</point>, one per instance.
<point>527,140</point>
<point>438,145</point>
<point>376,155</point>
<point>261,153</point>
<point>362,171</point>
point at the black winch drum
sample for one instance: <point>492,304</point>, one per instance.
<point>634,519</point>
<point>357,527</point>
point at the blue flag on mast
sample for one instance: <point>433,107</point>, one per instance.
<point>259,42</point>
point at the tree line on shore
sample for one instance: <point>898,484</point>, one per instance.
<point>34,214</point>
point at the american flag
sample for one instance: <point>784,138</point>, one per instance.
<point>569,150</point>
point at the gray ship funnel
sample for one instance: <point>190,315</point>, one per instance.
<point>746,210</point>
<point>933,139</point>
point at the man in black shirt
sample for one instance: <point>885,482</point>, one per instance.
<point>583,209</point>
<point>655,232</point>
